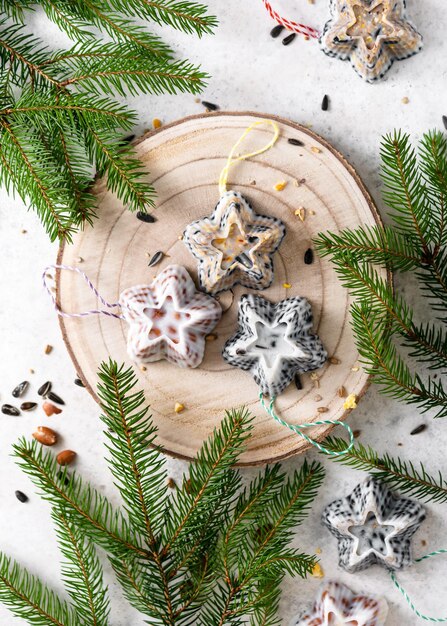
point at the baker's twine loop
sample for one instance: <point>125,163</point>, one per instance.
<point>297,428</point>
<point>295,27</point>
<point>223,179</point>
<point>91,287</point>
<point>427,618</point>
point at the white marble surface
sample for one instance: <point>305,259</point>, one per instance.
<point>249,71</point>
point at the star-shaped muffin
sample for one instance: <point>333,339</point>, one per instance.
<point>371,33</point>
<point>169,319</point>
<point>373,525</point>
<point>234,245</point>
<point>274,342</point>
<point>337,604</point>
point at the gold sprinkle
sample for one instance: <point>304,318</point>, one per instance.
<point>171,483</point>
<point>296,182</point>
<point>355,369</point>
<point>342,392</point>
<point>323,409</point>
<point>143,368</point>
<point>314,376</point>
<point>287,286</point>
<point>197,100</point>
<point>318,551</point>
<point>350,402</point>
<point>48,349</point>
<point>317,571</point>
<point>334,361</point>
<point>252,182</point>
<point>316,150</point>
<point>405,100</point>
<point>211,337</point>
<point>280,186</point>
<point>301,213</point>
<point>180,237</point>
<point>23,231</point>
<point>178,408</point>
<point>318,398</point>
<point>31,371</point>
<point>156,123</point>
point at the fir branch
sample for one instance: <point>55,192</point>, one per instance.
<point>27,597</point>
<point>82,574</point>
<point>399,474</point>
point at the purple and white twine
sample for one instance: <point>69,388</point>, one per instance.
<point>91,287</point>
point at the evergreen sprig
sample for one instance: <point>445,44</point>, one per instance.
<point>208,553</point>
<point>58,125</point>
<point>413,480</point>
<point>386,327</point>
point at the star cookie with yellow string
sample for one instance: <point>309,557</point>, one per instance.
<point>234,245</point>
<point>371,33</point>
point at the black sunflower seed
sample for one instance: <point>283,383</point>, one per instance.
<point>309,256</point>
<point>210,106</point>
<point>21,496</point>
<point>419,429</point>
<point>28,406</point>
<point>156,258</point>
<point>55,398</point>
<point>444,119</point>
<point>325,103</point>
<point>276,31</point>
<point>79,382</point>
<point>146,217</point>
<point>44,389</point>
<point>295,142</point>
<point>298,383</point>
<point>287,40</point>
<point>8,409</point>
<point>20,389</point>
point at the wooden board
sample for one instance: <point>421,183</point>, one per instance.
<point>184,160</point>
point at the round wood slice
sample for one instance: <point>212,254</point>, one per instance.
<point>184,160</point>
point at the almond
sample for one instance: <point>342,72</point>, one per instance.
<point>51,409</point>
<point>66,457</point>
<point>45,436</point>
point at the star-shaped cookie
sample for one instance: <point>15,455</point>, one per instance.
<point>371,33</point>
<point>234,245</point>
<point>169,319</point>
<point>337,605</point>
<point>373,525</point>
<point>274,342</point>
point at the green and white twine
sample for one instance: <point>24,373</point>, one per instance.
<point>437,620</point>
<point>299,428</point>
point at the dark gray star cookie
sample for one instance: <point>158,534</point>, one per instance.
<point>373,526</point>
<point>274,342</point>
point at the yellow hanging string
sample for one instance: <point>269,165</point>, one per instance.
<point>223,179</point>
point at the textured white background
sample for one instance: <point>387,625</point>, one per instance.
<point>249,71</point>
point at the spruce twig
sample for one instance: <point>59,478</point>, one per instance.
<point>207,553</point>
<point>415,190</point>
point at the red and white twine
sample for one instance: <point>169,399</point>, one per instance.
<point>295,27</point>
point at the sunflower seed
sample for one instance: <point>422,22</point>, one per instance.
<point>44,389</point>
<point>419,429</point>
<point>146,217</point>
<point>309,256</point>
<point>21,496</point>
<point>55,398</point>
<point>444,119</point>
<point>298,383</point>
<point>156,258</point>
<point>8,409</point>
<point>20,389</point>
<point>287,40</point>
<point>210,106</point>
<point>28,406</point>
<point>276,31</point>
<point>295,142</point>
<point>79,382</point>
<point>325,103</point>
